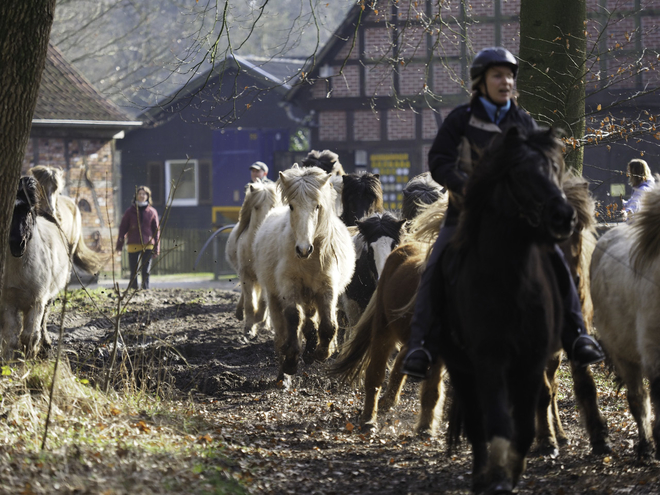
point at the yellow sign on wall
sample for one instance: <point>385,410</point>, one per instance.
<point>394,171</point>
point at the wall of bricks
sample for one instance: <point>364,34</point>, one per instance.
<point>346,50</point>
<point>511,7</point>
<point>366,125</point>
<point>332,126</point>
<point>650,33</point>
<point>87,164</point>
<point>412,42</point>
<point>447,78</point>
<point>400,124</point>
<point>378,42</point>
<point>346,84</point>
<point>429,124</point>
<point>481,34</point>
<point>379,80</point>
<point>412,78</point>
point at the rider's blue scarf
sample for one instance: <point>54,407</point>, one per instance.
<point>495,112</point>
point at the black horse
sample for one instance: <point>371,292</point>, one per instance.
<point>503,309</point>
<point>361,196</point>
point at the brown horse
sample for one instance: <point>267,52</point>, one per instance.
<point>385,326</point>
<point>577,249</point>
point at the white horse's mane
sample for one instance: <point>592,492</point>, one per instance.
<point>646,231</point>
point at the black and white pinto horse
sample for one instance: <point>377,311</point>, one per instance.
<point>377,236</point>
<point>502,306</point>
<point>37,267</point>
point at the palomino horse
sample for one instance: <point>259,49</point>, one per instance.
<point>625,286</point>
<point>385,326</point>
<point>501,304</point>
<point>361,196</point>
<point>377,236</point>
<point>64,209</point>
<point>304,258</point>
<point>260,198</point>
<point>37,267</point>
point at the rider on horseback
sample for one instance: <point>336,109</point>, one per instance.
<point>491,111</point>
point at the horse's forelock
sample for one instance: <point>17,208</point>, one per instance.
<point>380,225</point>
<point>307,184</point>
<point>50,178</point>
<point>28,191</point>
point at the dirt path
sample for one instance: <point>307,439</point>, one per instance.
<point>306,440</point>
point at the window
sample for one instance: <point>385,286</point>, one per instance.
<point>182,176</point>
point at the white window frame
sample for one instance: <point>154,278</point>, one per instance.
<point>168,182</point>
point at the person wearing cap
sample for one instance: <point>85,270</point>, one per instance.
<point>491,110</point>
<point>259,171</point>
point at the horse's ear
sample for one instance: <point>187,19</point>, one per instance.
<point>377,176</point>
<point>401,222</point>
<point>295,165</point>
<point>251,187</point>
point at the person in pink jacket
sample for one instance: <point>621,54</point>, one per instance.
<point>140,227</point>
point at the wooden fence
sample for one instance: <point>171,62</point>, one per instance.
<point>179,249</point>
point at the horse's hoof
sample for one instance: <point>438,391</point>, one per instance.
<point>548,450</point>
<point>321,354</point>
<point>290,367</point>
<point>601,447</point>
<point>501,488</point>
<point>644,451</point>
<point>239,315</point>
<point>367,427</point>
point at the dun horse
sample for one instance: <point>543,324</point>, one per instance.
<point>260,198</point>
<point>625,283</point>
<point>37,267</point>
<point>304,258</point>
<point>64,209</point>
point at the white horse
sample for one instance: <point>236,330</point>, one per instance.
<point>625,287</point>
<point>51,183</point>
<point>304,258</point>
<point>260,198</point>
<point>37,267</point>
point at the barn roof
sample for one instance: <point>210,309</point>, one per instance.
<point>66,98</point>
<point>277,74</point>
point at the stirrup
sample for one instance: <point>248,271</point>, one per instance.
<point>599,355</point>
<point>417,373</point>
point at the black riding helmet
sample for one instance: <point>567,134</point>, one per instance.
<point>489,57</point>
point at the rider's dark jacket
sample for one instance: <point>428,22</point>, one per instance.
<point>470,121</point>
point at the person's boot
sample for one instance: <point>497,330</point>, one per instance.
<point>585,351</point>
<point>417,362</point>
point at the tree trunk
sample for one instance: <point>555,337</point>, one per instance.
<point>24,33</point>
<point>551,81</point>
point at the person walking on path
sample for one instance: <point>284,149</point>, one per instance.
<point>140,227</point>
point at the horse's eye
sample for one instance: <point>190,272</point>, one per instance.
<point>291,207</point>
<point>318,207</point>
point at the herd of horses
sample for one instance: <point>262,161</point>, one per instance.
<point>326,253</point>
<point>323,266</point>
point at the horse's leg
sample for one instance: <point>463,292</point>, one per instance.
<point>655,398</point>
<point>638,400</point>
<point>31,335</point>
<point>239,306</point>
<point>546,411</point>
<point>281,335</point>
<point>262,305</point>
<point>432,398</point>
<point>396,381</point>
<point>587,397</point>
<point>524,396</point>
<point>326,305</point>
<point>310,332</point>
<point>12,322</point>
<point>290,345</point>
<point>46,342</point>
<point>247,289</point>
<point>374,376</point>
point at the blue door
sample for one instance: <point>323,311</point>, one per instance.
<point>234,150</point>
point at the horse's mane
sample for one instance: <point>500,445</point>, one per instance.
<point>325,160</point>
<point>646,231</point>
<point>505,152</point>
<point>577,192</point>
<point>386,222</point>
<point>367,187</point>
<point>420,190</point>
<point>312,183</point>
<point>256,195</point>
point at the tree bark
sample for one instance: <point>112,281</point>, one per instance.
<point>24,33</point>
<point>551,80</point>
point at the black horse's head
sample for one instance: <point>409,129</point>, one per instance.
<point>522,173</point>
<point>22,221</point>
<point>361,195</point>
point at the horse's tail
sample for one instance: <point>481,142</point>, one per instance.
<point>87,259</point>
<point>356,353</point>
<point>456,418</point>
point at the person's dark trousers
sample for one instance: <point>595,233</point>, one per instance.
<point>573,321</point>
<point>425,318</point>
<point>134,262</point>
